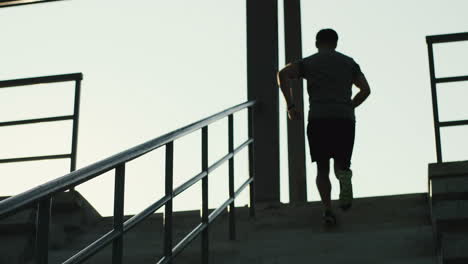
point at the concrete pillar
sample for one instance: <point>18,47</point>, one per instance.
<point>262,67</point>
<point>296,135</point>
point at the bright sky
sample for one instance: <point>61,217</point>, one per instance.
<point>153,67</point>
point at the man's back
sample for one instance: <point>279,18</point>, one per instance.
<point>330,76</point>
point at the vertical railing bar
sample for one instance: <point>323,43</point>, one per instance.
<point>119,190</point>
<point>435,106</point>
<point>251,162</point>
<point>204,216</point>
<point>168,216</point>
<point>232,206</point>
<point>76,118</point>
<point>42,230</point>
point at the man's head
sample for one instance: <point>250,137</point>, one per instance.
<point>326,39</point>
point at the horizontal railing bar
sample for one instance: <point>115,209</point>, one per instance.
<point>136,219</point>
<point>197,230</point>
<point>218,163</point>
<point>243,145</point>
<point>201,175</point>
<point>188,238</point>
<point>89,172</point>
<point>228,156</point>
<point>60,156</point>
<point>93,248</point>
<point>453,123</point>
<point>220,209</point>
<point>246,183</point>
<point>43,79</point>
<point>189,183</point>
<point>452,79</point>
<point>447,37</point>
<point>37,120</point>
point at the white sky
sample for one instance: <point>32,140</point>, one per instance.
<point>153,67</point>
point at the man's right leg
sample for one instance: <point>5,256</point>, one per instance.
<point>323,182</point>
<point>344,174</point>
<point>324,187</point>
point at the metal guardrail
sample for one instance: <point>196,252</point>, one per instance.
<point>10,3</point>
<point>431,40</point>
<point>75,77</point>
<point>42,195</point>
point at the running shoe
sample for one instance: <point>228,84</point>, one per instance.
<point>329,217</point>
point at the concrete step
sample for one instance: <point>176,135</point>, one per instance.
<point>390,244</point>
<point>454,248</point>
<point>449,188</point>
<point>16,234</point>
<point>393,229</point>
<point>450,216</point>
<point>448,169</point>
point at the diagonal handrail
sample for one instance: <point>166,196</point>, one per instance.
<point>14,203</point>
<point>41,195</point>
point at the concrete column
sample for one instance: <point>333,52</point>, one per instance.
<point>262,67</point>
<point>296,136</point>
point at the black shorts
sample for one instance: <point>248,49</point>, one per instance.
<point>331,138</point>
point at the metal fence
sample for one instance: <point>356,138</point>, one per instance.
<point>42,195</point>
<point>431,40</point>
<point>75,77</point>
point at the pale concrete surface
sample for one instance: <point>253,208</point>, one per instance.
<point>392,229</point>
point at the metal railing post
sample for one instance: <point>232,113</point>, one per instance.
<point>232,206</point>
<point>204,215</point>
<point>42,232</point>
<point>119,190</point>
<point>168,207</point>
<point>435,107</point>
<point>76,118</point>
<point>251,162</point>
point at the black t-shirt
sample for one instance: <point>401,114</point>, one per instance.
<point>330,76</point>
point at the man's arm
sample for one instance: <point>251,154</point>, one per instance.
<point>290,72</point>
<point>364,90</point>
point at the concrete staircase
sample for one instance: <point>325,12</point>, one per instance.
<point>388,230</point>
<point>412,228</point>
<point>71,214</point>
<point>449,210</point>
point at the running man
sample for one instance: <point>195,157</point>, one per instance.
<point>330,76</point>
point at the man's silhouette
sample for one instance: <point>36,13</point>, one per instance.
<point>330,76</point>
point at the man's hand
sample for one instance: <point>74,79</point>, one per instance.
<point>293,114</point>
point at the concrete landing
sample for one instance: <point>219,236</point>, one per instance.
<point>389,230</point>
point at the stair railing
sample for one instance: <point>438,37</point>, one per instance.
<point>431,40</point>
<point>75,117</point>
<point>41,196</point>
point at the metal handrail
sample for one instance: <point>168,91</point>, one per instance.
<point>431,40</point>
<point>10,3</point>
<point>42,194</point>
<point>75,77</point>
